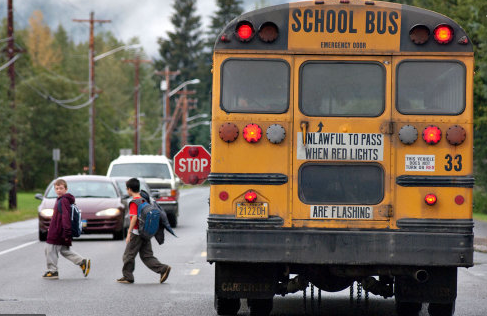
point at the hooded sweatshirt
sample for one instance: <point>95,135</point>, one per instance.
<point>59,232</point>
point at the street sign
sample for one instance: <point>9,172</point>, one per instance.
<point>192,164</point>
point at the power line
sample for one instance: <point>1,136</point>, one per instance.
<point>48,97</point>
<point>11,61</point>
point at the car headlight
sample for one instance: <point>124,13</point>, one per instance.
<point>108,212</point>
<point>47,212</point>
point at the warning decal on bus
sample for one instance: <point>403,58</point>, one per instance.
<point>341,146</point>
<point>419,163</point>
<point>341,212</point>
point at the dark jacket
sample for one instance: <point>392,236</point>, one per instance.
<point>59,232</point>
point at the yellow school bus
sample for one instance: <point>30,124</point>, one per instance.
<point>342,139</point>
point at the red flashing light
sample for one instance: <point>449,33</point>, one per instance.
<point>459,199</point>
<point>245,31</point>
<point>432,134</point>
<point>443,34</point>
<point>430,199</point>
<point>252,133</point>
<point>250,196</point>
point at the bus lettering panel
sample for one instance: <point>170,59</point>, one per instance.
<point>337,29</point>
<point>341,212</point>
<point>341,146</point>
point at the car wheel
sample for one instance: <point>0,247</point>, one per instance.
<point>408,308</point>
<point>173,220</point>
<point>118,235</point>
<point>227,306</point>
<point>42,236</point>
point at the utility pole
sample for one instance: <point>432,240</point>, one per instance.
<point>92,91</point>
<point>184,119</point>
<point>166,138</point>
<point>136,63</point>
<point>11,51</point>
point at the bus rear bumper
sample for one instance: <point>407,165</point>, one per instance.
<point>339,247</point>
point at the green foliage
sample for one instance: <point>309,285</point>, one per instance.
<point>183,50</point>
<point>480,202</point>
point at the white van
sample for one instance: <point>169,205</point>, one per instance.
<point>158,173</point>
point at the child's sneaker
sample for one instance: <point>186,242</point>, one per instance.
<point>85,266</point>
<point>51,275</point>
<point>125,280</point>
<point>165,274</point>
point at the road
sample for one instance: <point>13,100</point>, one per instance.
<point>189,288</point>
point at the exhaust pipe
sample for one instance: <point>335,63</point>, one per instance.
<point>421,276</point>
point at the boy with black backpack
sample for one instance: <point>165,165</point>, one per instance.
<point>59,235</point>
<point>137,244</point>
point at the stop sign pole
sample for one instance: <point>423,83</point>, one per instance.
<point>192,164</point>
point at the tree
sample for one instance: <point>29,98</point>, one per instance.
<point>182,51</point>
<point>39,42</point>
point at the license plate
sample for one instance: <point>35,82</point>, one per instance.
<point>84,223</point>
<point>252,210</point>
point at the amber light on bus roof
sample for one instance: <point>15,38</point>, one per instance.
<point>419,34</point>
<point>432,134</point>
<point>443,34</point>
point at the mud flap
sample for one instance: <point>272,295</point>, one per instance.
<point>244,280</point>
<point>440,287</point>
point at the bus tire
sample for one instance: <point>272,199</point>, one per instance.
<point>441,309</point>
<point>227,306</point>
<point>408,308</point>
<point>260,307</point>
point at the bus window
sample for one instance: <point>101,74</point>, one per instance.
<point>342,184</point>
<point>431,87</point>
<point>255,86</point>
<point>342,89</point>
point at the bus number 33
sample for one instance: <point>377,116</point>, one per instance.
<point>453,163</point>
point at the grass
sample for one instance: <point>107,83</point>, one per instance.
<point>480,216</point>
<point>26,208</point>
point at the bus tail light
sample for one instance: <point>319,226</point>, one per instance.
<point>419,34</point>
<point>455,135</point>
<point>432,134</point>
<point>228,132</point>
<point>245,31</point>
<point>276,133</point>
<point>223,195</point>
<point>443,34</point>
<point>459,199</point>
<point>268,32</point>
<point>250,196</point>
<point>252,133</point>
<point>408,134</point>
<point>430,199</point>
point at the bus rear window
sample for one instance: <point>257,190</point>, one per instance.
<point>341,184</point>
<point>430,87</point>
<point>255,86</point>
<point>342,89</point>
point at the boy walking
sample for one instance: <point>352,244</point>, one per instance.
<point>59,236</point>
<point>138,245</point>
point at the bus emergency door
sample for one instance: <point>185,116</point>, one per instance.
<point>342,142</point>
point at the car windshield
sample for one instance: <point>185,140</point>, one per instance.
<point>87,189</point>
<point>141,170</point>
<point>123,187</point>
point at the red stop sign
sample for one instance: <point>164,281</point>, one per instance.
<point>192,164</point>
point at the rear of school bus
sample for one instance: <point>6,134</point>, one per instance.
<point>341,152</point>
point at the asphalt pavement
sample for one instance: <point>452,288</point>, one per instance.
<point>189,288</point>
